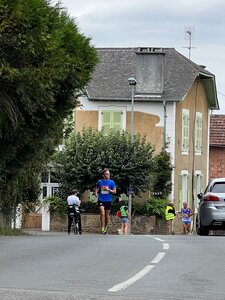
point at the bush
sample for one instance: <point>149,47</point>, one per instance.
<point>57,205</point>
<point>149,208</point>
<point>90,207</point>
<point>152,207</point>
<point>6,231</point>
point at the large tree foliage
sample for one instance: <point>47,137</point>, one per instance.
<point>44,62</point>
<point>87,153</point>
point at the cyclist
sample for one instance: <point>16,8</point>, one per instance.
<point>73,201</point>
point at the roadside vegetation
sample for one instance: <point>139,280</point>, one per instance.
<point>7,231</point>
<point>150,207</point>
<point>45,63</point>
<point>132,165</point>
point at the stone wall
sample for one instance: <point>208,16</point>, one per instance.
<point>91,223</point>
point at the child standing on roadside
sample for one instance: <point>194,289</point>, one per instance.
<point>124,219</point>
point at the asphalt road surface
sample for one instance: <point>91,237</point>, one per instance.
<point>58,266</point>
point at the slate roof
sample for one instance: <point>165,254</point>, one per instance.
<point>217,130</point>
<point>110,79</point>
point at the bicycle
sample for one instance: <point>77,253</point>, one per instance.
<point>74,219</point>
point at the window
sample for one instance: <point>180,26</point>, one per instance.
<point>55,191</point>
<point>198,133</point>
<point>197,187</point>
<point>111,118</point>
<point>218,187</point>
<point>45,177</point>
<point>185,131</point>
<point>183,187</point>
<point>54,177</point>
<point>44,192</point>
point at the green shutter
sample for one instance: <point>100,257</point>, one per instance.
<point>185,132</point>
<point>105,126</point>
<point>188,190</point>
<point>116,120</point>
<point>195,192</point>
<point>198,134</point>
<point>111,120</point>
<point>180,191</point>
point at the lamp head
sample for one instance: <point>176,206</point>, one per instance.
<point>132,81</point>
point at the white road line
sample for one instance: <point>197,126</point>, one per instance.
<point>127,283</point>
<point>166,246</point>
<point>159,239</point>
<point>158,258</point>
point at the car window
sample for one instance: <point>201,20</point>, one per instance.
<point>218,187</point>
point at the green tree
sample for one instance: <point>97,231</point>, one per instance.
<point>44,64</point>
<point>86,153</point>
<point>162,184</point>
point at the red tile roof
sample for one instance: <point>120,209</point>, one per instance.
<point>217,130</point>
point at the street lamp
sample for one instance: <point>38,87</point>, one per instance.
<point>132,81</point>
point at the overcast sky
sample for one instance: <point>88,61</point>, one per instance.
<point>158,23</point>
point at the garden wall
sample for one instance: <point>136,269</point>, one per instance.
<point>91,224</point>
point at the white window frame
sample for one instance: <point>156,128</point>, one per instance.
<point>197,187</point>
<point>185,132</point>
<point>111,108</point>
<point>198,131</point>
<point>184,187</point>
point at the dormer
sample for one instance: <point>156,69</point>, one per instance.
<point>150,71</point>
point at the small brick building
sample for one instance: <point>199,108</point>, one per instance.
<point>217,146</point>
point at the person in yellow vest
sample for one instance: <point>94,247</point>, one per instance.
<point>170,215</point>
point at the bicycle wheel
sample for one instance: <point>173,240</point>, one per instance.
<point>77,228</point>
<point>74,226</point>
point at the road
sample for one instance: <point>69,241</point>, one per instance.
<point>57,266</point>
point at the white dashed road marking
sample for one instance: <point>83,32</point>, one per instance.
<point>160,240</point>
<point>125,284</point>
<point>166,246</point>
<point>158,258</point>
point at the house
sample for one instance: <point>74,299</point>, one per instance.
<point>217,146</point>
<point>172,101</point>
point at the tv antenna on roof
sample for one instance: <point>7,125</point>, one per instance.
<point>189,32</point>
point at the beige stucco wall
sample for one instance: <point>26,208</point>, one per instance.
<point>195,101</point>
<point>85,118</point>
<point>144,123</point>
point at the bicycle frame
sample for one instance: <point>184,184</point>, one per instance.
<point>74,219</point>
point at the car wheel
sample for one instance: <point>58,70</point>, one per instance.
<point>200,229</point>
<point>203,230</point>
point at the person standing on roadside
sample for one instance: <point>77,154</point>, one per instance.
<point>170,215</point>
<point>124,219</point>
<point>186,214</point>
<point>103,191</point>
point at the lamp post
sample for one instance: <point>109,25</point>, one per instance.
<point>132,81</point>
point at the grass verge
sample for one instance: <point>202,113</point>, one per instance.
<point>7,231</point>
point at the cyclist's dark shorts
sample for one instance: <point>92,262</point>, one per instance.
<point>106,204</point>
